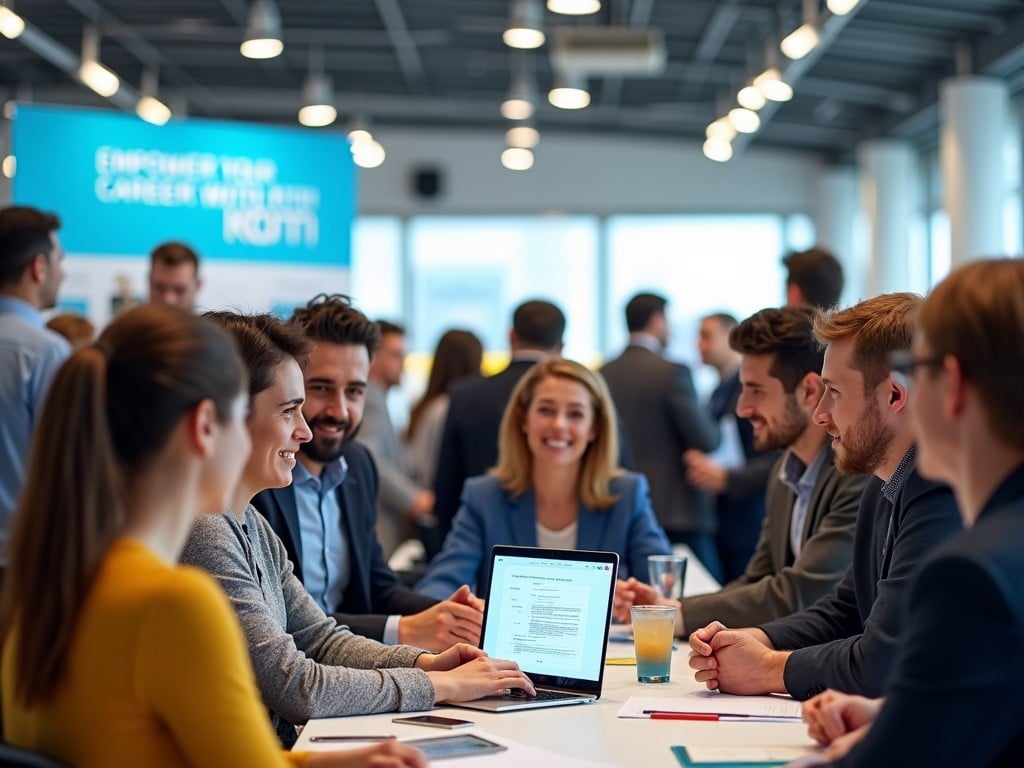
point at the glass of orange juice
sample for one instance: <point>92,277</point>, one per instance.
<point>653,631</point>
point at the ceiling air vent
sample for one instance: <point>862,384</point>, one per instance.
<point>608,51</point>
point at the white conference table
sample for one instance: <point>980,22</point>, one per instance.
<point>592,732</point>
<point>589,732</point>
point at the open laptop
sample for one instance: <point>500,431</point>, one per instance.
<point>549,610</point>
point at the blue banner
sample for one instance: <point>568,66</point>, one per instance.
<point>233,191</point>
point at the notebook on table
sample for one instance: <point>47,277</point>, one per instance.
<point>549,610</point>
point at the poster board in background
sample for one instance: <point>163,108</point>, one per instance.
<point>268,209</point>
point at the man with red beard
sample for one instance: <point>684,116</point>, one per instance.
<point>326,518</point>
<point>848,639</point>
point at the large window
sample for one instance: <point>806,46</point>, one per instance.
<point>702,264</point>
<point>471,272</point>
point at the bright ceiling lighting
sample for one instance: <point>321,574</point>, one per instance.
<point>10,166</point>
<point>368,154</point>
<point>717,149</point>
<point>771,84</point>
<point>569,92</point>
<point>517,159</point>
<point>524,25</point>
<point>519,104</point>
<point>11,24</point>
<point>317,108</point>
<point>750,97</point>
<point>800,41</point>
<point>574,7</point>
<point>744,120</point>
<point>152,110</point>
<point>524,136</point>
<point>841,7</point>
<point>99,78</point>
<point>263,31</point>
<point>721,129</point>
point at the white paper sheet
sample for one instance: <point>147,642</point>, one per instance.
<point>713,702</point>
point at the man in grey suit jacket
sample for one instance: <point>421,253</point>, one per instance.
<point>806,540</point>
<point>658,406</point>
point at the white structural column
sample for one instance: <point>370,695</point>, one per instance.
<point>887,173</point>
<point>974,118</point>
<point>834,217</point>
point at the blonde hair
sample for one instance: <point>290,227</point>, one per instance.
<point>601,458</point>
<point>878,326</point>
<point>977,316</point>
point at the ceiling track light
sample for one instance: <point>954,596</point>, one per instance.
<point>575,7</point>
<point>317,108</point>
<point>102,80</point>
<point>524,25</point>
<point>750,97</point>
<point>11,24</point>
<point>517,159</point>
<point>149,107</point>
<point>262,31</point>
<point>721,129</point>
<point>772,86</point>
<point>523,136</point>
<point>521,100</point>
<point>717,149</point>
<point>841,7</point>
<point>569,92</point>
<point>804,38</point>
<point>744,120</point>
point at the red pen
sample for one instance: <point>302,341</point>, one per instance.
<point>658,714</point>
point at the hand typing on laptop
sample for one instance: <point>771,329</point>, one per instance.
<point>464,672</point>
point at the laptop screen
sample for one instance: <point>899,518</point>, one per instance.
<point>549,611</point>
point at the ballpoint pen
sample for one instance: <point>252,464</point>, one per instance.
<point>656,714</point>
<point>319,739</point>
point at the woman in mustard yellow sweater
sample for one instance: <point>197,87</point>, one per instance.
<point>112,654</point>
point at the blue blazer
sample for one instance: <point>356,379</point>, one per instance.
<point>488,516</point>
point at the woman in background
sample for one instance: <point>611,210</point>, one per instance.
<point>458,355</point>
<point>112,654</point>
<point>557,484</point>
<point>306,664</point>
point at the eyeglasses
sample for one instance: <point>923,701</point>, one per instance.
<point>903,364</point>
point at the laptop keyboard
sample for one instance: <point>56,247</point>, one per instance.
<point>542,695</point>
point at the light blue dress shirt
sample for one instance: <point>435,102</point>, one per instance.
<point>800,479</point>
<point>325,561</point>
<point>30,355</point>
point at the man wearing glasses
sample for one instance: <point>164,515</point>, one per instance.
<point>968,415</point>
<point>848,639</point>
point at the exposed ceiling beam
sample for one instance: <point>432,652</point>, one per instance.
<point>639,16</point>
<point>406,53</point>
<point>722,20</point>
<point>147,54</point>
<point>795,70</point>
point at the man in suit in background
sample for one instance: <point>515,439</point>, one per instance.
<point>736,473</point>
<point>469,444</point>
<point>658,405</point>
<point>814,278</point>
<point>401,503</point>
<point>806,543</point>
<point>326,518</point>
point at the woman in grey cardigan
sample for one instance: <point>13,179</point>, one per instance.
<point>306,664</point>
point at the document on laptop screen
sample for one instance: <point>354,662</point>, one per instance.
<point>549,615</point>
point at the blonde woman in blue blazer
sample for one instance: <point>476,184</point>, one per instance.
<point>557,484</point>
